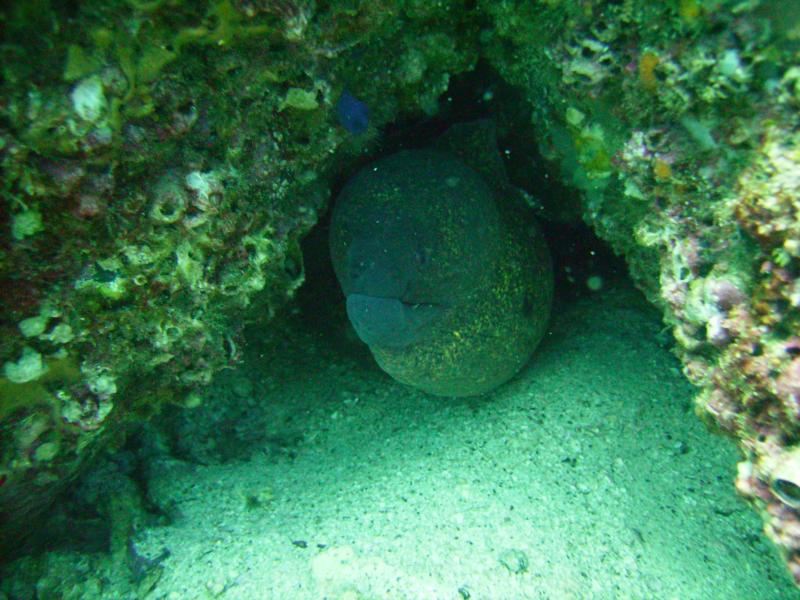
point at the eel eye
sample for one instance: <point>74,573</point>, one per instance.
<point>527,305</point>
<point>421,255</point>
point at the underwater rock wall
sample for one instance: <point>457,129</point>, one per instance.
<point>677,121</point>
<point>161,160</point>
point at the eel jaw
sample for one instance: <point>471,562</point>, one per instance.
<point>390,322</point>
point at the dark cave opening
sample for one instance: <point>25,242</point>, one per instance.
<point>583,264</point>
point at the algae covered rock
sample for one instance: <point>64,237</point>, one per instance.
<point>160,162</point>
<point>685,157</point>
<point>447,282</point>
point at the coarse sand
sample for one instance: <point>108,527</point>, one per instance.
<point>587,476</point>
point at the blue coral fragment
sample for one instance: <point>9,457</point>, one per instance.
<point>353,114</point>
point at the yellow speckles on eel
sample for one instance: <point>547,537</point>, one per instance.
<point>446,279</point>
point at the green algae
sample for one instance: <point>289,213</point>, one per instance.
<point>657,116</point>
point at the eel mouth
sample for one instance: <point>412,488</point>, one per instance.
<point>390,322</point>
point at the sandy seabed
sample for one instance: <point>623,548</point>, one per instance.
<point>586,477</point>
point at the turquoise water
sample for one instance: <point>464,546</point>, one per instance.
<point>309,473</point>
<point>180,418</point>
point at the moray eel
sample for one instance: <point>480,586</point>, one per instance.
<point>447,277</point>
